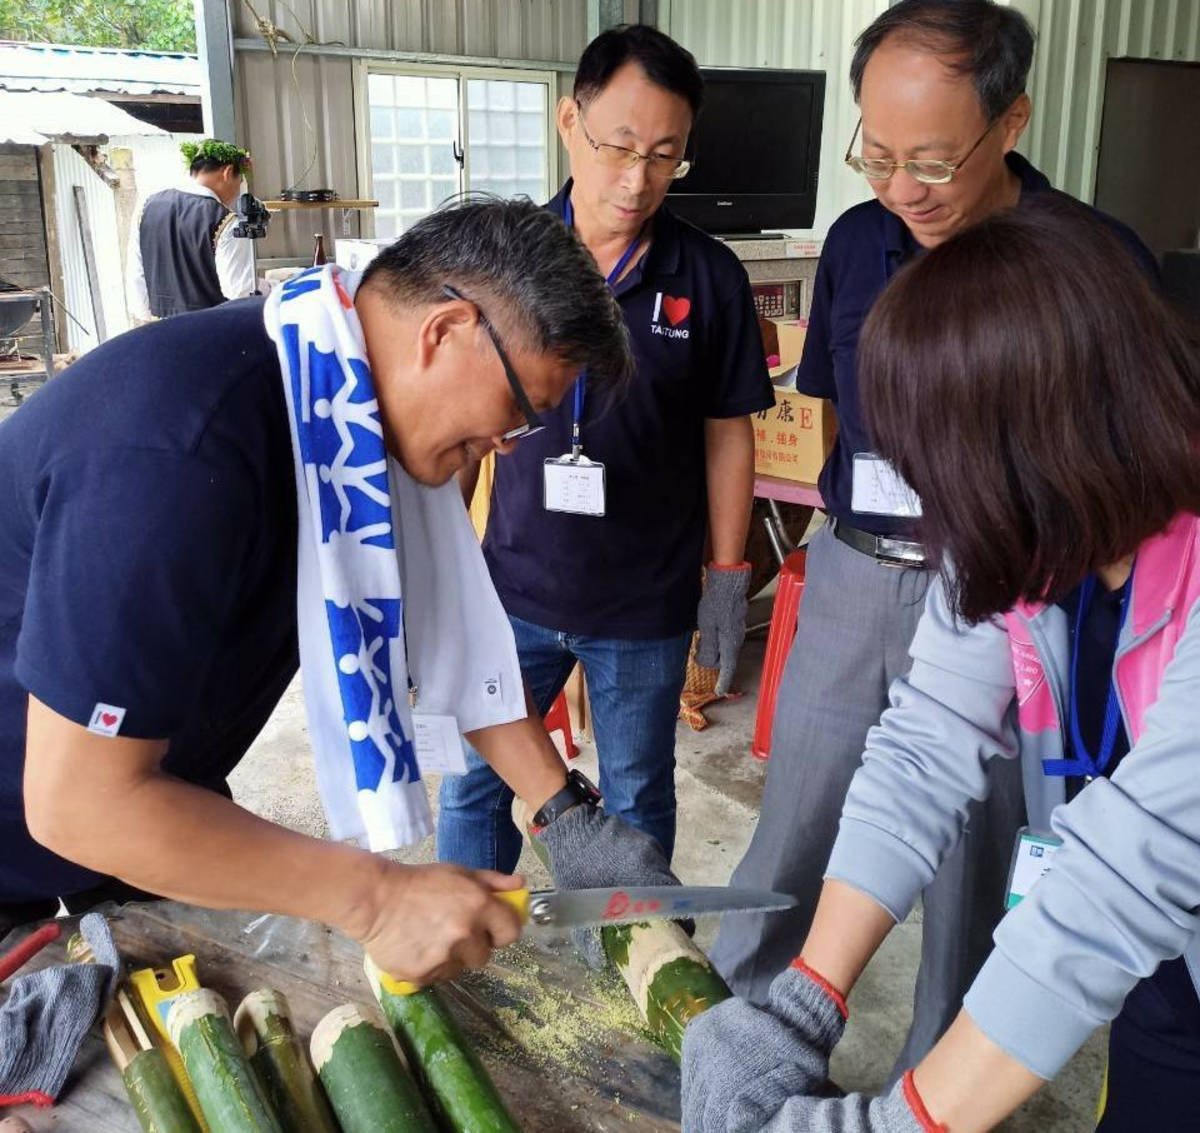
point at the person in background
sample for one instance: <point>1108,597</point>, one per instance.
<point>607,572</point>
<point>941,88</point>
<point>183,255</point>
<point>1061,494</point>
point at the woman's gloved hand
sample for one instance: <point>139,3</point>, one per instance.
<point>741,1063</point>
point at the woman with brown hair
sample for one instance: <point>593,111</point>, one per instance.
<point>1044,403</point>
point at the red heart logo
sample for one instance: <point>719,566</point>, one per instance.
<point>676,309</point>
<point>108,719</point>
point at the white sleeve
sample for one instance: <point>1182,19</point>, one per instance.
<point>137,300</point>
<point>235,261</point>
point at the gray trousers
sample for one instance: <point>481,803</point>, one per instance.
<point>857,619</point>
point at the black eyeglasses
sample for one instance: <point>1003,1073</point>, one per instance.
<point>533,423</point>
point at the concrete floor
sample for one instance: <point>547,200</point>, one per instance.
<point>719,787</point>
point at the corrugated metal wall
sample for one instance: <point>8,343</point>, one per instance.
<point>1075,38</point>
<point>70,170</point>
<point>815,35</point>
<point>271,116</point>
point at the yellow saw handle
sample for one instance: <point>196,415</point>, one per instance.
<point>517,899</point>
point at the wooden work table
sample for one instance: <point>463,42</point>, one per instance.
<point>559,1040</point>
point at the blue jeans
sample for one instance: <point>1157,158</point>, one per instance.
<point>634,688</point>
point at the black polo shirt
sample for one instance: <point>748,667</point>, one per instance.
<point>147,558</point>
<point>865,247</point>
<point>635,572</point>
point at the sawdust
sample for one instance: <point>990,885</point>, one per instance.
<point>553,1025</point>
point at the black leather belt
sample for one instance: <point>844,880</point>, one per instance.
<point>883,549</point>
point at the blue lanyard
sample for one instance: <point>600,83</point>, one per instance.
<point>581,381</point>
<point>1084,763</point>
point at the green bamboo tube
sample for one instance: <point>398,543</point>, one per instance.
<point>155,1096</point>
<point>153,1091</point>
<point>668,975</point>
<point>263,1022</point>
<point>230,1095</point>
<point>455,1083</point>
<point>367,1084</point>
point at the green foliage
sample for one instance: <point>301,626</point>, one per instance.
<point>223,153</point>
<point>148,25</point>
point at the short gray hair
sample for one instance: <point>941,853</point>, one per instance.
<point>527,271</point>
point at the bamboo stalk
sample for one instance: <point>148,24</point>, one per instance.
<point>263,1022</point>
<point>367,1084</point>
<point>455,1083</point>
<point>230,1095</point>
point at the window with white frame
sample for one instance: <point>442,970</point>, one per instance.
<point>434,132</point>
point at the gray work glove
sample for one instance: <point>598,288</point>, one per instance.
<point>46,1016</point>
<point>592,850</point>
<point>900,1110</point>
<point>741,1063</point>
<point>721,619</point>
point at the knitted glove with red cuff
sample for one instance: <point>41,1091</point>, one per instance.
<point>901,1110</point>
<point>46,1016</point>
<point>721,620</point>
<point>742,1063</point>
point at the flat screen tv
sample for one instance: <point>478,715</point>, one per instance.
<point>756,148</point>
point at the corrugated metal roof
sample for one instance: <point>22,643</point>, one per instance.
<point>34,118</point>
<point>54,66</point>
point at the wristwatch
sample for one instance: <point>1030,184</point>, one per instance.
<point>579,789</point>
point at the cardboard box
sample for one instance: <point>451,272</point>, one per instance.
<point>354,255</point>
<point>793,439</point>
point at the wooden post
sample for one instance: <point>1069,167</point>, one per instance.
<point>89,260</point>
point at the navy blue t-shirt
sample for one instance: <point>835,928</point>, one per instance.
<point>635,572</point>
<point>865,247</point>
<point>147,557</point>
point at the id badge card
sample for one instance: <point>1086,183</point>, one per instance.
<point>1033,854</point>
<point>438,744</point>
<point>573,484</point>
<point>878,489</point>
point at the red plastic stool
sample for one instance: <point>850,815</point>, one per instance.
<point>558,719</point>
<point>779,642</point>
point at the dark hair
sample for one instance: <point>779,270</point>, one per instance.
<point>991,43</point>
<point>528,272</point>
<point>666,63</point>
<point>211,165</point>
<point>1040,396</point>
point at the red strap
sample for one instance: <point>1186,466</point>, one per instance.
<point>923,1116</point>
<point>731,566</point>
<point>838,998</point>
<point>28,948</point>
<point>30,1097</point>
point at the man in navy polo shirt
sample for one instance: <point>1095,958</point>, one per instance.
<point>596,534</point>
<point>941,90</point>
<point>148,593</point>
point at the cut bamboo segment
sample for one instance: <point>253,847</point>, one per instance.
<point>455,1083</point>
<point>367,1084</point>
<point>230,1095</point>
<point>263,1022</point>
<point>669,976</point>
<point>153,1092</point>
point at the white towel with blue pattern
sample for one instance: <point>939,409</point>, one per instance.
<point>392,593</point>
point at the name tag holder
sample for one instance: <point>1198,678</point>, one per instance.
<point>573,484</point>
<point>878,489</point>
<point>1033,854</point>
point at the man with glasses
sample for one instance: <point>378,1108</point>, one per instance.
<point>941,88</point>
<point>148,590</point>
<point>597,529</point>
